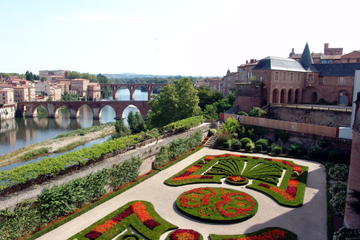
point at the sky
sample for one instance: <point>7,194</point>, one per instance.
<point>171,37</point>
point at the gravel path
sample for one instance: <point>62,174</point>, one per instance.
<point>308,221</point>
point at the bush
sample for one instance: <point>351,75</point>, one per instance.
<point>282,135</point>
<point>228,143</point>
<point>296,150</point>
<point>346,234</point>
<point>231,125</point>
<point>257,112</point>
<point>183,124</point>
<point>336,155</point>
<point>337,203</point>
<point>222,138</point>
<point>247,144</point>
<point>276,149</point>
<point>236,144</point>
<point>212,131</point>
<point>339,172</point>
<point>314,152</point>
<point>241,113</point>
<point>262,144</point>
<point>337,187</point>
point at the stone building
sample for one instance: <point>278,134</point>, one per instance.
<point>330,55</point>
<point>79,86</point>
<point>214,83</point>
<point>24,94</point>
<point>52,74</point>
<point>290,81</point>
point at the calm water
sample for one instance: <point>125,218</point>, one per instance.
<point>21,132</point>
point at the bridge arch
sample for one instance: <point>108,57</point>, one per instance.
<point>62,110</point>
<point>141,93</point>
<point>40,110</point>
<point>84,111</point>
<point>107,113</point>
<point>122,94</point>
<point>290,96</point>
<point>275,96</point>
<point>283,96</point>
<point>127,110</point>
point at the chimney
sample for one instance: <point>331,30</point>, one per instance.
<point>326,46</point>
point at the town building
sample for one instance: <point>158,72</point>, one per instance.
<point>276,80</point>
<point>7,112</point>
<point>52,74</point>
<point>214,83</point>
<point>6,96</point>
<point>330,55</point>
<point>94,91</point>
<point>24,94</point>
<point>79,86</point>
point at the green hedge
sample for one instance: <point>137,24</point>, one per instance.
<point>177,148</point>
<point>261,234</point>
<point>183,124</point>
<point>61,200</point>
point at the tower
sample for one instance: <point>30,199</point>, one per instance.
<point>306,59</point>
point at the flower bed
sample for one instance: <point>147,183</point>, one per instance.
<point>265,172</point>
<point>184,234</point>
<point>217,204</point>
<point>264,234</point>
<point>140,215</point>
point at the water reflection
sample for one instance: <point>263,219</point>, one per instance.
<point>123,94</point>
<point>20,132</point>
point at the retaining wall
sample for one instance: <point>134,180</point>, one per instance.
<point>146,151</point>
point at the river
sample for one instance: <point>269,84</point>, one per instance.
<point>20,132</point>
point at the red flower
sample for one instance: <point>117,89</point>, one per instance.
<point>185,234</point>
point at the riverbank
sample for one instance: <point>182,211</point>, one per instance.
<point>61,143</point>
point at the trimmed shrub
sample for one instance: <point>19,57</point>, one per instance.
<point>339,172</point>
<point>257,112</point>
<point>337,203</point>
<point>212,131</point>
<point>276,149</point>
<point>236,144</point>
<point>262,144</point>
<point>296,150</point>
<point>223,136</point>
<point>314,152</point>
<point>228,143</point>
<point>244,141</point>
<point>183,124</point>
<point>337,187</point>
<point>242,113</point>
<point>250,146</point>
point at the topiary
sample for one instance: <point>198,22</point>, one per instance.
<point>339,172</point>
<point>262,144</point>
<point>296,150</point>
<point>228,143</point>
<point>276,149</point>
<point>244,141</point>
<point>212,131</point>
<point>236,144</point>
<point>250,146</point>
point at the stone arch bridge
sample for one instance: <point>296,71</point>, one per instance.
<point>28,109</point>
<point>132,87</point>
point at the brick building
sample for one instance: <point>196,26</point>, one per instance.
<point>330,55</point>
<point>290,81</point>
<point>79,86</point>
<point>52,74</point>
<point>94,91</point>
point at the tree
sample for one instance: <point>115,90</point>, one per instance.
<point>136,122</point>
<point>210,112</point>
<point>68,97</point>
<point>207,96</point>
<point>231,125</point>
<point>177,101</point>
<point>31,77</point>
<point>121,129</point>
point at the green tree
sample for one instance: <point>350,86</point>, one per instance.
<point>121,129</point>
<point>231,125</point>
<point>177,101</point>
<point>207,96</point>
<point>68,97</point>
<point>136,122</point>
<point>257,112</point>
<point>210,112</point>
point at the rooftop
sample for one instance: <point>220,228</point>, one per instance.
<point>279,63</point>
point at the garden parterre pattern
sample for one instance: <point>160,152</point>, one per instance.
<point>269,213</point>
<point>265,172</point>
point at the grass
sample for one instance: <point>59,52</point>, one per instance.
<point>36,153</point>
<point>83,131</point>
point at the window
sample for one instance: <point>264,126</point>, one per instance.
<point>341,81</point>
<point>276,76</point>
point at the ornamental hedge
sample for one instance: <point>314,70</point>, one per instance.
<point>181,234</point>
<point>265,173</point>
<point>139,215</point>
<point>53,166</point>
<point>221,205</point>
<point>271,233</point>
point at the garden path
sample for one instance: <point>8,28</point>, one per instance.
<point>309,222</point>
